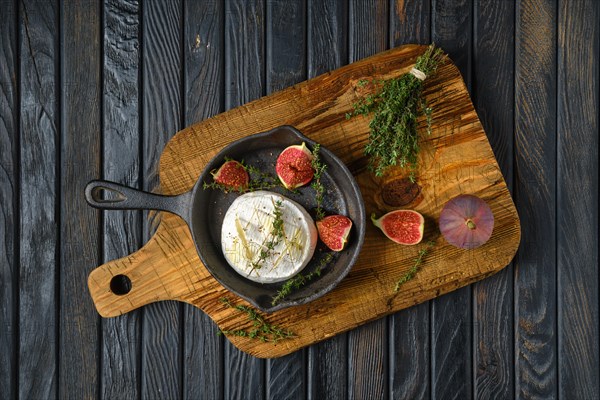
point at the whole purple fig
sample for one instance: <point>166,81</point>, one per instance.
<point>466,221</point>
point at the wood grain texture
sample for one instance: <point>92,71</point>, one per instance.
<point>286,43</point>
<point>121,338</point>
<point>493,94</point>
<point>204,97</point>
<point>367,345</point>
<point>409,353</point>
<point>38,226</point>
<point>327,369</point>
<point>161,374</point>
<point>245,69</point>
<point>409,341</point>
<point>286,66</point>
<point>451,347</point>
<point>80,162</point>
<point>327,30</point>
<point>178,274</point>
<point>327,50</point>
<point>410,22</point>
<point>535,196</point>
<point>577,184</point>
<point>245,51</point>
<point>9,204</point>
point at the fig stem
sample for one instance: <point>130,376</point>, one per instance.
<point>470,224</point>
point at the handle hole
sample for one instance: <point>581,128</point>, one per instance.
<point>103,194</point>
<point>120,285</point>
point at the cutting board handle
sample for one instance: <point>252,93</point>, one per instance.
<point>148,275</point>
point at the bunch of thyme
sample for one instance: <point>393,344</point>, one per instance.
<point>415,267</point>
<point>317,185</point>
<point>277,233</point>
<point>396,105</point>
<point>300,280</point>
<point>261,329</point>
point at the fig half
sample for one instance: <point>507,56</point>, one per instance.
<point>334,230</point>
<point>294,167</point>
<point>401,226</point>
<point>232,174</point>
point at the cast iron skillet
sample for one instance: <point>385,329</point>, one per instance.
<point>204,209</point>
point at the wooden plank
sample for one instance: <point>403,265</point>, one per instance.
<point>38,227</point>
<point>245,81</point>
<point>121,230</point>
<point>409,344</point>
<point>327,32</point>
<point>451,365</point>
<point>204,88</point>
<point>9,206</point>
<point>245,51</point>
<point>327,50</point>
<point>494,101</point>
<point>410,22</point>
<point>535,197</point>
<point>577,199</point>
<point>367,345</point>
<point>161,374</point>
<point>285,66</point>
<point>286,44</point>
<point>80,162</point>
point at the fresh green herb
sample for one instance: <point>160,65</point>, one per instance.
<point>300,280</point>
<point>277,233</point>
<point>223,188</point>
<point>317,185</point>
<point>396,105</point>
<point>260,180</point>
<point>415,267</point>
<point>261,329</point>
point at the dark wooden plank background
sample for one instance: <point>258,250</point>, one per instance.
<point>93,89</point>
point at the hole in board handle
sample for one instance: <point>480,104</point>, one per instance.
<point>120,285</point>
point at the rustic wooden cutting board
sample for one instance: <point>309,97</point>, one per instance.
<point>456,158</point>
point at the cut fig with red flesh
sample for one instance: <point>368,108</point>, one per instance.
<point>294,167</point>
<point>334,230</point>
<point>232,174</point>
<point>401,226</point>
<point>466,221</point>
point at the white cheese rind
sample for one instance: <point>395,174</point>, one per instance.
<point>247,229</point>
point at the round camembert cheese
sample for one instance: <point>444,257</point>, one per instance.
<point>267,237</point>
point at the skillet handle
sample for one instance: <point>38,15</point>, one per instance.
<point>121,197</point>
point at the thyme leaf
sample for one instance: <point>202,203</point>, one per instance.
<point>261,329</point>
<point>300,280</point>
<point>396,105</point>
<point>418,261</point>
<point>317,185</point>
<point>277,233</point>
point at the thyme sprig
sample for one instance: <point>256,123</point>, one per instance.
<point>300,280</point>
<point>260,180</point>
<point>316,184</point>
<point>275,235</point>
<point>418,261</point>
<point>261,329</point>
<point>396,105</point>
